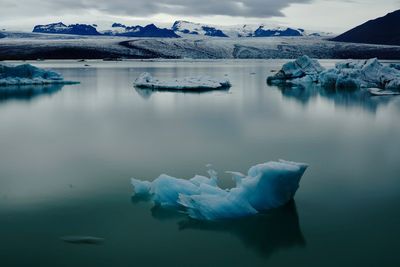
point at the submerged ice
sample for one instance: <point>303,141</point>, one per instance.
<point>266,186</point>
<point>27,74</point>
<point>347,75</point>
<point>145,80</point>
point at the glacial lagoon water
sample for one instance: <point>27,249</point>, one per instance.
<point>67,157</point>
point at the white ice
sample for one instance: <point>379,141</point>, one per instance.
<point>145,80</point>
<point>266,186</point>
<point>27,74</point>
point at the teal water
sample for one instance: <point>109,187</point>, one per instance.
<point>67,156</point>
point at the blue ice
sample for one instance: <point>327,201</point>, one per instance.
<point>266,186</point>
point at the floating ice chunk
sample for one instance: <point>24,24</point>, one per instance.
<point>266,186</point>
<point>142,188</point>
<point>27,74</point>
<point>198,180</point>
<point>165,189</point>
<point>395,66</point>
<point>380,92</point>
<point>347,75</point>
<point>237,177</point>
<point>145,80</point>
<point>214,207</point>
<point>302,70</point>
<point>354,74</point>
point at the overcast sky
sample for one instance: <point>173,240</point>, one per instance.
<point>325,15</point>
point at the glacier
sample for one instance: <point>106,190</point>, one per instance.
<point>266,186</point>
<point>146,80</point>
<point>27,74</point>
<point>20,46</point>
<point>347,75</point>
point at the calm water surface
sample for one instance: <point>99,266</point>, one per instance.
<point>66,158</point>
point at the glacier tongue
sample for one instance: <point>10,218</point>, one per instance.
<point>266,186</point>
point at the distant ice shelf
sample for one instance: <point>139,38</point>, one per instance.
<point>266,186</point>
<point>145,80</point>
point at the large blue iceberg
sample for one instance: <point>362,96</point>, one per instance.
<point>348,75</point>
<point>266,186</point>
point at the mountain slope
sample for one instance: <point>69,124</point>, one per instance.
<point>150,30</point>
<point>247,30</point>
<point>61,28</point>
<point>117,29</point>
<point>187,27</point>
<point>384,30</point>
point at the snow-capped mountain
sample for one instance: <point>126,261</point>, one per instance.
<point>150,30</point>
<point>61,28</point>
<point>179,29</point>
<point>247,30</point>
<point>264,31</point>
<point>117,29</point>
<point>187,27</point>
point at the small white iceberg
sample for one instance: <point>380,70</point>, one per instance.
<point>266,186</point>
<point>145,80</point>
<point>27,74</point>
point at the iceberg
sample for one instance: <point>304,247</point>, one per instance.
<point>355,74</point>
<point>303,69</point>
<point>27,74</point>
<point>145,80</point>
<point>347,75</point>
<point>266,186</point>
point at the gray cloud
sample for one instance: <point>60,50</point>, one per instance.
<point>142,8</point>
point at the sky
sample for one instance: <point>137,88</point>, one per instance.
<point>324,15</point>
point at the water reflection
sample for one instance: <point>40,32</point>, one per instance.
<point>27,92</point>
<point>357,98</point>
<point>147,93</point>
<point>267,233</point>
